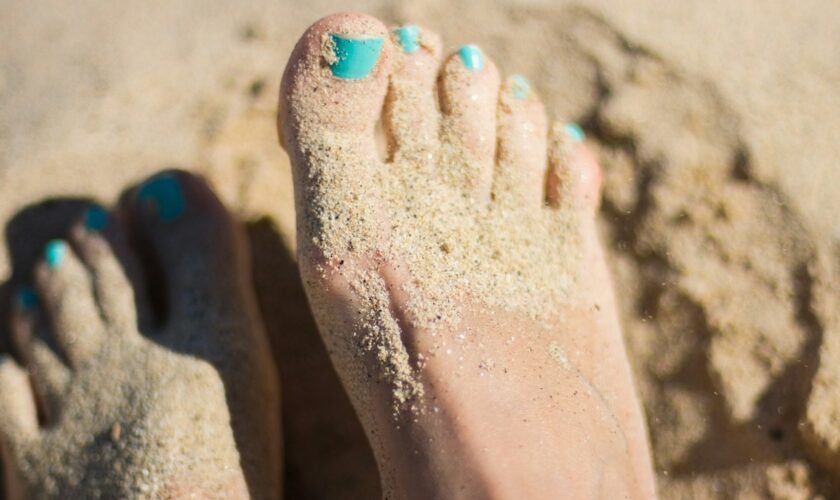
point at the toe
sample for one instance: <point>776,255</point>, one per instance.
<point>31,339</point>
<point>101,240</point>
<point>574,176</point>
<point>331,99</point>
<point>67,297</point>
<point>411,115</point>
<point>18,416</point>
<point>522,155</point>
<point>334,85</point>
<point>469,89</point>
<point>193,245</point>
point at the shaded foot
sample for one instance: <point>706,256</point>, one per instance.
<point>149,364</point>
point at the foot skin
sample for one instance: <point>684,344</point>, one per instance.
<point>190,407</point>
<point>458,280</point>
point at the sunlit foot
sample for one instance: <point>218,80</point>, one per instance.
<point>457,279</point>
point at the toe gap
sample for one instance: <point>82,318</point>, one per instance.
<point>41,407</point>
<point>380,137</point>
<point>154,277</point>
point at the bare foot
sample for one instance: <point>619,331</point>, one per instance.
<point>457,279</point>
<point>188,408</point>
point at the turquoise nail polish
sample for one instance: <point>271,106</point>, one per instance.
<point>409,38</point>
<point>472,57</point>
<point>164,195</point>
<point>54,253</point>
<point>520,88</point>
<point>96,219</point>
<point>27,298</point>
<point>574,131</point>
<point>354,57</point>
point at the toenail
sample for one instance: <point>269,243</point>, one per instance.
<point>354,58</point>
<point>163,195</point>
<point>54,253</point>
<point>96,219</point>
<point>408,38</point>
<point>472,57</point>
<point>26,298</point>
<point>574,131</point>
<point>520,88</point>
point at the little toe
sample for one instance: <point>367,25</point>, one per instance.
<point>574,175</point>
<point>334,86</point>
<point>469,90</point>
<point>522,156</point>
<point>18,415</point>
<point>101,240</point>
<point>411,114</point>
<point>31,340</point>
<point>67,297</point>
<point>193,245</point>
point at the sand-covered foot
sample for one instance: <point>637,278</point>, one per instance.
<point>147,361</point>
<point>458,280</point>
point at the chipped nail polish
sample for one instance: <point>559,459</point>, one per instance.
<point>472,57</point>
<point>520,88</point>
<point>574,131</point>
<point>96,218</point>
<point>54,253</point>
<point>408,38</point>
<point>354,58</point>
<point>163,194</point>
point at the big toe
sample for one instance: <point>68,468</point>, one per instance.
<point>335,81</point>
<point>331,99</point>
<point>191,247</point>
<point>197,255</point>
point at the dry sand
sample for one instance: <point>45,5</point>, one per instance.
<point>716,124</point>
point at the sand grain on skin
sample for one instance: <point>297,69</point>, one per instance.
<point>416,215</point>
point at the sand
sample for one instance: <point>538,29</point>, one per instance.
<point>715,124</point>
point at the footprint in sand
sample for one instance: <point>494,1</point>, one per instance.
<point>190,406</point>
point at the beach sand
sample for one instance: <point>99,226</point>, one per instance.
<point>716,128</point>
